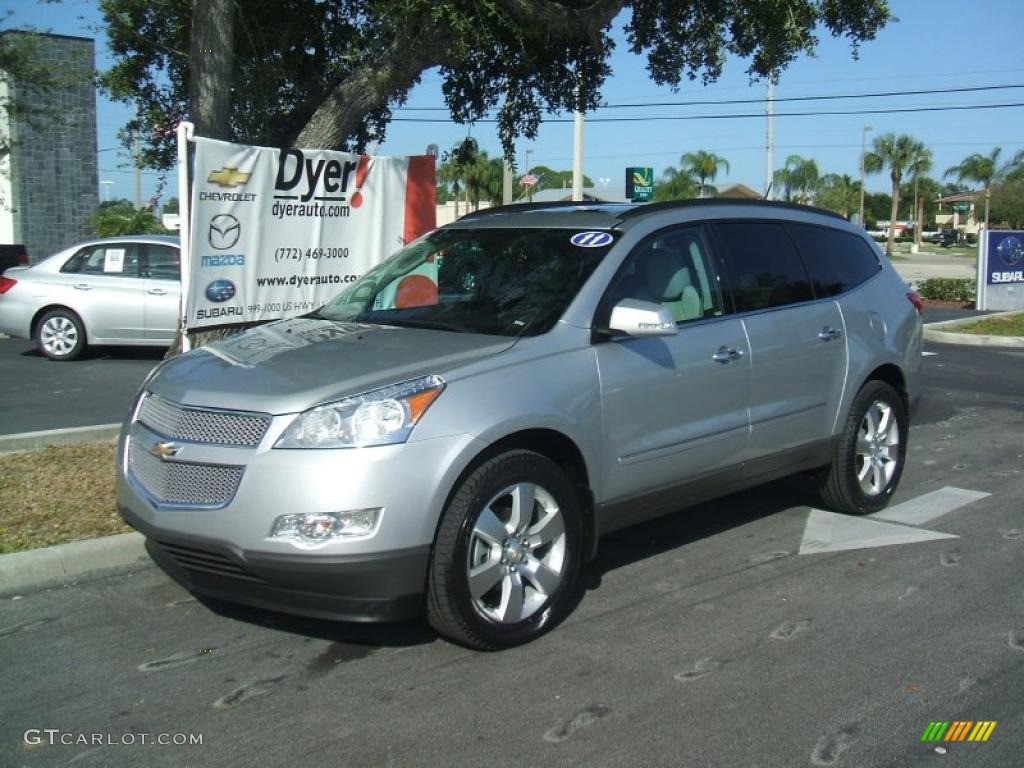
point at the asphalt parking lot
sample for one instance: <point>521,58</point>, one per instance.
<point>743,632</point>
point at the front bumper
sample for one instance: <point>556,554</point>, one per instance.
<point>383,587</point>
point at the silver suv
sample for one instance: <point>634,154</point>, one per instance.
<point>456,430</point>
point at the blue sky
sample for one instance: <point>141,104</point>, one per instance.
<point>935,44</point>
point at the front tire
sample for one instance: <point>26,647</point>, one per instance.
<point>61,335</point>
<point>869,459</point>
<point>507,553</point>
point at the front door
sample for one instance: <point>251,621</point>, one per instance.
<point>675,407</point>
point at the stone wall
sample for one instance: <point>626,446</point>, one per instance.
<point>53,171</point>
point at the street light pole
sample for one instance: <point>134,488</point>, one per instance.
<point>863,150</point>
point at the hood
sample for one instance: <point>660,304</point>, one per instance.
<point>291,365</point>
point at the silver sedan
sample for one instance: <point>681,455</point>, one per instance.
<point>117,290</point>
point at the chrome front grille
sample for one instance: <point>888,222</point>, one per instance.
<point>183,483</point>
<point>197,425</point>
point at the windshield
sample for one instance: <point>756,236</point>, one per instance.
<point>508,282</point>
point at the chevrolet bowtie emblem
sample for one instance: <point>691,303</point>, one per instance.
<point>164,450</point>
<point>228,177</point>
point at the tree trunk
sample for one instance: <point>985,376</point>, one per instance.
<point>892,217</point>
<point>212,57</point>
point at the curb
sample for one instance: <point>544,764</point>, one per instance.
<point>64,564</point>
<point>31,441</point>
<point>937,332</point>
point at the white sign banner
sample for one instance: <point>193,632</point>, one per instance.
<point>277,233</point>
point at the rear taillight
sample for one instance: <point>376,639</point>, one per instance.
<point>915,298</point>
<point>6,284</point>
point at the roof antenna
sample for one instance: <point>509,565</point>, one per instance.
<point>768,191</point>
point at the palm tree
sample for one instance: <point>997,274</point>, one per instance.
<point>800,174</point>
<point>979,169</point>
<point>898,154</point>
<point>704,167</point>
<point>675,185</point>
<point>839,193</point>
<point>920,165</point>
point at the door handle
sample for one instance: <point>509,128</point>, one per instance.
<point>82,286</point>
<point>829,333</point>
<point>157,291</point>
<point>727,354</point>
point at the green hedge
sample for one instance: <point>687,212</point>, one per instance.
<point>947,289</point>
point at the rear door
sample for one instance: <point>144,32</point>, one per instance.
<point>102,283</point>
<point>798,342</point>
<point>162,271</point>
<point>675,407</point>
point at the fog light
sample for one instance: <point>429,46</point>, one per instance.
<point>322,526</point>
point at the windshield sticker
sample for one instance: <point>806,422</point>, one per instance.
<point>591,239</point>
<point>113,260</point>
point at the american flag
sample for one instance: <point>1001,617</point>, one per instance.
<point>529,180</point>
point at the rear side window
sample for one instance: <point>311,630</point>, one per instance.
<point>837,261</point>
<point>766,268</point>
<point>114,260</point>
<point>163,262</point>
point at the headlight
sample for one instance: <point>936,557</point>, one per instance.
<point>381,417</point>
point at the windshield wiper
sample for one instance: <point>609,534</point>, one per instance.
<point>435,325</point>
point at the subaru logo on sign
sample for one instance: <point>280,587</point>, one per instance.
<point>220,290</point>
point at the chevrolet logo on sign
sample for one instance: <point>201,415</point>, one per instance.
<point>228,177</point>
<point>164,450</point>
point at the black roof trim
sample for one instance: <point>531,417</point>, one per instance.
<point>623,211</point>
<point>726,201</point>
<point>525,207</point>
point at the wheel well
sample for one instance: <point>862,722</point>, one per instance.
<point>34,326</point>
<point>892,376</point>
<point>558,448</point>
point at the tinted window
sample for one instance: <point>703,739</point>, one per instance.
<point>837,261</point>
<point>673,269</point>
<point>163,262</point>
<point>766,267</point>
<point>113,260</point>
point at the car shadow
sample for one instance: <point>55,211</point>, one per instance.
<point>109,353</point>
<point>692,524</point>
<point>352,640</point>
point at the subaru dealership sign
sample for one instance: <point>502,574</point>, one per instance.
<point>1001,270</point>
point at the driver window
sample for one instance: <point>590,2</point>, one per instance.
<point>672,269</point>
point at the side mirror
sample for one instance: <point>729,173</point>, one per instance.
<point>642,318</point>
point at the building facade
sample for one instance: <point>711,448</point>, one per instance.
<point>48,182</point>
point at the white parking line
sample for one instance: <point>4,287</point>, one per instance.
<point>831,532</point>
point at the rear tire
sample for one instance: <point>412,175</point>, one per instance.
<point>507,553</point>
<point>60,335</point>
<point>869,459</point>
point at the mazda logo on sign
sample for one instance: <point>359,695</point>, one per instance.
<point>224,231</point>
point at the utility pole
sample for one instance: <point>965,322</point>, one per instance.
<point>863,151</point>
<point>769,171</point>
<point>577,156</point>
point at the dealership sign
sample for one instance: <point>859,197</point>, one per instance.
<point>278,232</point>
<point>1005,257</point>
